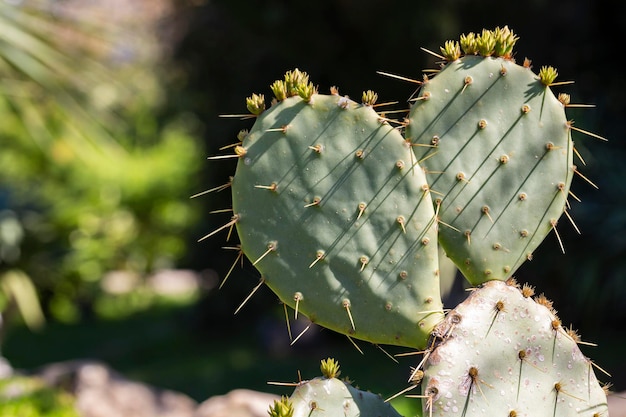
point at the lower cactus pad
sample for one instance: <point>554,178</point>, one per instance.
<point>501,353</point>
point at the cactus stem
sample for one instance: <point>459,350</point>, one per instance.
<point>230,224</point>
<point>301,333</point>
<point>254,290</point>
<point>287,322</point>
<point>553,223</point>
<point>239,257</point>
<point>271,247</point>
<point>346,304</point>
<point>570,125</point>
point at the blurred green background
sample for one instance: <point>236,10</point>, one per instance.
<point>109,109</point>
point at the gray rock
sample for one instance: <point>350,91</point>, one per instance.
<point>237,403</point>
<point>102,392</point>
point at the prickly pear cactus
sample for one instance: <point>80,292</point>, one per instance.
<point>342,215</point>
<point>502,353</point>
<point>496,146</point>
<point>331,208</point>
<point>329,396</point>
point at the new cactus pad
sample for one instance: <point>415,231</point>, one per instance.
<point>332,210</point>
<point>496,146</point>
<point>329,396</point>
<point>501,353</point>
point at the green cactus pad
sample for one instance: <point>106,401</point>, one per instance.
<point>332,397</point>
<point>495,143</point>
<point>501,353</point>
<point>332,210</point>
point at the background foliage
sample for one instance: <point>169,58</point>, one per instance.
<point>106,127</point>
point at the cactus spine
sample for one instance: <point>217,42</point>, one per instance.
<point>341,213</point>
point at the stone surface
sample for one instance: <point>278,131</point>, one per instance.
<point>237,403</point>
<point>617,404</point>
<point>102,392</point>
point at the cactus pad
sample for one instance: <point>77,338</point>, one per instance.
<point>329,396</point>
<point>331,209</point>
<point>501,353</point>
<point>495,144</point>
